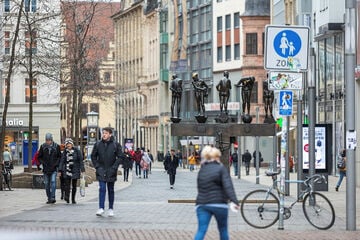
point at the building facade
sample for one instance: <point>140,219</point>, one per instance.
<point>40,41</point>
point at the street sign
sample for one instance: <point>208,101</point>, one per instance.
<point>286,48</point>
<point>285,103</point>
<point>285,81</point>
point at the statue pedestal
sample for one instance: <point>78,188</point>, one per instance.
<point>246,118</point>
<point>223,118</point>
<point>201,118</point>
<point>175,119</point>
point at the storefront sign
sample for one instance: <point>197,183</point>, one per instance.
<point>14,122</point>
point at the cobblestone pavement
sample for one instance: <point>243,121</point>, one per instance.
<point>142,211</point>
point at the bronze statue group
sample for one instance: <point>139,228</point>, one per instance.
<point>224,88</point>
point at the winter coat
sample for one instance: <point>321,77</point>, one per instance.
<point>127,162</point>
<point>214,184</point>
<point>49,156</point>
<point>246,157</point>
<point>77,166</point>
<point>170,166</point>
<point>106,157</point>
<point>138,156</point>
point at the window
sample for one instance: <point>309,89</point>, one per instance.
<point>27,90</point>
<point>251,43</point>
<point>84,110</point>
<point>227,22</point>
<point>228,53</point>
<point>30,42</point>
<point>7,5</point>
<point>30,5</point>
<point>94,107</point>
<point>236,20</point>
<point>219,24</point>
<point>219,54</point>
<point>107,77</point>
<point>237,51</point>
<point>163,21</point>
<point>7,42</point>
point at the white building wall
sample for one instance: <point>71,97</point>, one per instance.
<point>222,9</point>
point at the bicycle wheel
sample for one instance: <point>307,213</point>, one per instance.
<point>260,209</point>
<point>319,211</point>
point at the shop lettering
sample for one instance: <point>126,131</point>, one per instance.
<point>14,122</point>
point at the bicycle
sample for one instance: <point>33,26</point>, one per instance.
<point>260,208</point>
<point>7,175</point>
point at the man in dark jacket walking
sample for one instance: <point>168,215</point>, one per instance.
<point>49,156</point>
<point>246,158</point>
<point>171,163</point>
<point>106,157</point>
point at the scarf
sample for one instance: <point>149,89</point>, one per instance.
<point>69,161</point>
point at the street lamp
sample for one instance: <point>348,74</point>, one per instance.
<point>92,130</point>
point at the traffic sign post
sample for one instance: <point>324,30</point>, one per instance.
<point>286,48</point>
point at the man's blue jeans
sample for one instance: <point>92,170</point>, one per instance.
<point>204,214</point>
<point>50,185</point>
<point>102,194</point>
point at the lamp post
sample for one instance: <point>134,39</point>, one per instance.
<point>92,130</point>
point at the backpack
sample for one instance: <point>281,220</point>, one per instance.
<point>341,163</point>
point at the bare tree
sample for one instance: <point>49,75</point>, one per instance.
<point>41,57</point>
<point>87,45</point>
<point>8,84</point>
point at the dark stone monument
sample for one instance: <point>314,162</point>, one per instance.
<point>201,92</point>
<point>268,98</point>
<point>176,89</point>
<point>247,84</point>
<point>224,87</point>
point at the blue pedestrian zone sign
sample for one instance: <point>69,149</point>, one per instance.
<point>286,48</point>
<point>285,103</point>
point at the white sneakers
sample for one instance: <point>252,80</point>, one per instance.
<point>110,213</point>
<point>101,212</point>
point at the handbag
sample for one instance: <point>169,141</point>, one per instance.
<point>82,186</point>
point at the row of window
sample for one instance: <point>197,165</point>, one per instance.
<point>30,42</point>
<point>30,5</point>
<point>236,21</point>
<point>236,51</point>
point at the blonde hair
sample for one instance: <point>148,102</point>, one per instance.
<point>205,153</point>
<point>210,154</point>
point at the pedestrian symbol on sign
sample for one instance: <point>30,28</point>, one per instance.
<point>286,102</point>
<point>287,43</point>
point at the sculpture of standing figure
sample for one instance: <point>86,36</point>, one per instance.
<point>224,87</point>
<point>176,89</point>
<point>247,84</point>
<point>201,91</point>
<point>268,98</point>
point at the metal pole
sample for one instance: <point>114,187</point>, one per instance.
<point>299,136</point>
<point>312,113</point>
<point>287,155</point>
<point>239,137</point>
<point>350,60</point>
<point>257,150</point>
<point>275,151</point>
<point>282,174</point>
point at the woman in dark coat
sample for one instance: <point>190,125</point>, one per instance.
<point>127,164</point>
<point>171,163</point>
<point>71,167</point>
<point>215,189</point>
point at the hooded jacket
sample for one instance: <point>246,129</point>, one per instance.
<point>106,157</point>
